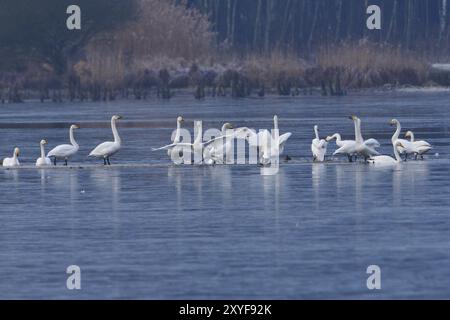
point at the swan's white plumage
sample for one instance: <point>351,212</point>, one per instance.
<point>420,147</point>
<point>406,147</point>
<point>366,150</point>
<point>348,147</point>
<point>318,146</point>
<point>13,161</point>
<point>216,152</point>
<point>387,160</point>
<point>43,160</point>
<point>109,148</point>
<point>271,145</point>
<point>177,137</point>
<point>65,151</point>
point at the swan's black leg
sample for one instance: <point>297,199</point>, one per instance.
<point>350,158</point>
<point>65,162</point>
<point>54,161</point>
<point>109,163</point>
<point>406,157</point>
<point>415,158</point>
<point>104,161</point>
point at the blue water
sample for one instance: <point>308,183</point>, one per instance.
<point>144,228</point>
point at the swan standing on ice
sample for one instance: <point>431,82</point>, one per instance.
<point>43,160</point>
<point>282,139</point>
<point>65,151</point>
<point>109,148</point>
<point>366,150</point>
<point>272,144</point>
<point>177,137</point>
<point>406,147</point>
<point>421,147</point>
<point>318,147</point>
<point>387,160</point>
<point>14,161</point>
<point>196,146</point>
<point>348,147</point>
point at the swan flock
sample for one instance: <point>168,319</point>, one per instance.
<point>219,148</point>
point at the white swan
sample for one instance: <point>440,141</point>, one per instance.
<point>196,146</point>
<point>14,160</point>
<point>421,147</point>
<point>282,139</point>
<point>109,148</point>
<point>216,152</point>
<point>177,137</point>
<point>387,160</point>
<point>348,147</point>
<point>366,150</point>
<point>318,146</point>
<point>406,147</point>
<point>65,151</point>
<point>271,144</point>
<point>43,160</point>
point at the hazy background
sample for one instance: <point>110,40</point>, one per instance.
<point>262,44</point>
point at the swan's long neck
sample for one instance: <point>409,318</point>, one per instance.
<point>15,155</point>
<point>317,133</point>
<point>358,135</point>
<point>412,137</point>
<point>72,138</point>
<point>275,132</point>
<point>397,155</point>
<point>397,132</point>
<point>115,132</point>
<point>42,151</point>
<point>178,133</point>
<point>224,129</point>
<point>337,136</point>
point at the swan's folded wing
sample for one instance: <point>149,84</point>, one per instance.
<point>341,150</point>
<point>424,149</point>
<point>61,150</point>
<point>372,143</point>
<point>102,149</point>
<point>422,144</point>
<point>372,151</point>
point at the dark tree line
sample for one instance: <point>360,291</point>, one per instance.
<point>264,25</point>
<point>32,28</point>
<point>36,29</point>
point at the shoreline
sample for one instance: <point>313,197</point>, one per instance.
<point>32,96</point>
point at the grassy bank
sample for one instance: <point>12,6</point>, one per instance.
<point>108,75</point>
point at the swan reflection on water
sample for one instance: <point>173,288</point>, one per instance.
<point>356,183</point>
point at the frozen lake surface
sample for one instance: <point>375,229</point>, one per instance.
<point>144,228</point>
